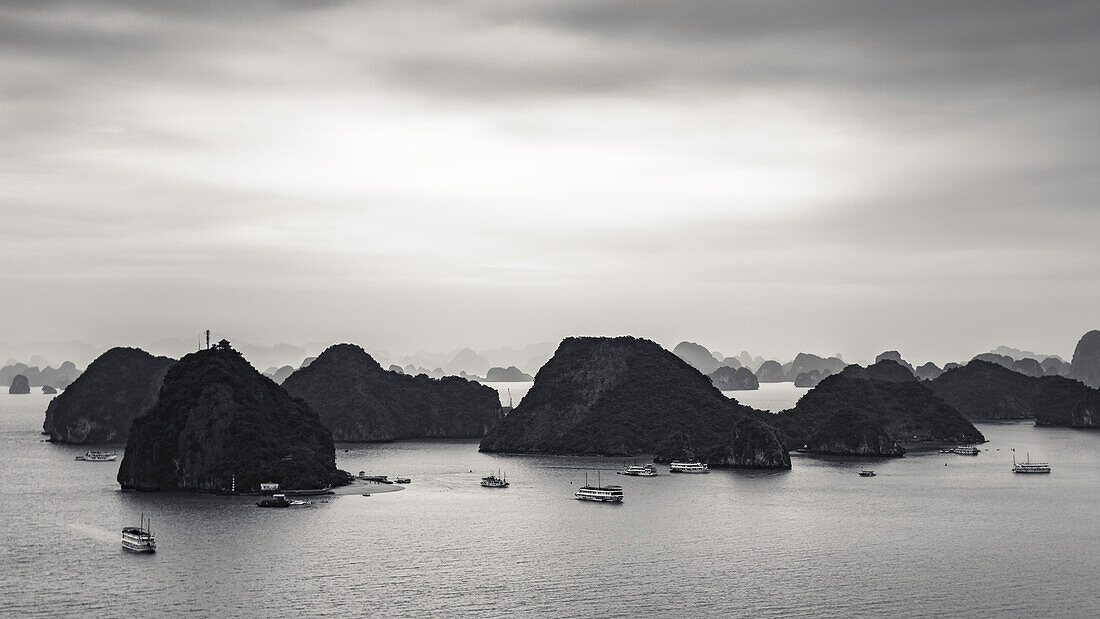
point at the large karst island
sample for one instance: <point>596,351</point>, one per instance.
<point>625,396</point>
<point>872,411</point>
<point>219,424</point>
<point>210,421</point>
<point>121,385</point>
<point>360,401</point>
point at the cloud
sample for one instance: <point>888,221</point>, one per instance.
<point>576,162</point>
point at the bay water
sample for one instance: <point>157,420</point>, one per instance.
<point>931,534</point>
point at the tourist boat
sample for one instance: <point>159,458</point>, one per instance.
<point>139,538</point>
<point>98,456</point>
<point>687,467</point>
<point>402,480</point>
<point>599,493</point>
<point>866,473</point>
<point>276,500</point>
<point>1028,466</point>
<point>492,481</point>
<point>639,470</point>
<point>966,450</point>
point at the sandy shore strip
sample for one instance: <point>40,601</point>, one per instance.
<point>360,486</point>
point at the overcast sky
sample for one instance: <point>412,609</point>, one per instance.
<point>767,176</point>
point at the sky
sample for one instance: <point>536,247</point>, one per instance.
<point>772,176</point>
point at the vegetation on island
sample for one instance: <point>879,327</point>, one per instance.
<point>625,396</point>
<point>219,424</point>
<point>360,401</point>
<point>121,385</point>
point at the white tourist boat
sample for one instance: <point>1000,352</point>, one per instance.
<point>139,538</point>
<point>494,481</point>
<point>866,473</point>
<point>687,467</point>
<point>98,456</point>
<point>599,492</point>
<point>966,450</point>
<point>1028,466</point>
<point>639,470</point>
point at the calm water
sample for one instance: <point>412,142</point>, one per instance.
<point>772,397</point>
<point>921,539</point>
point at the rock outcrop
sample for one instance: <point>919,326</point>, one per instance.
<point>697,356</point>
<point>1028,367</point>
<point>511,374</point>
<point>1002,360</point>
<point>770,372</point>
<point>279,374</point>
<point>19,385</point>
<point>728,378</point>
<point>1085,366</point>
<point>625,396</point>
<point>805,363</point>
<point>856,413</point>
<point>119,386</point>
<point>219,423</point>
<point>1065,402</point>
<point>467,361</point>
<point>49,389</point>
<point>359,401</point>
<point>1053,366</point>
<point>985,390</point>
<point>886,370</point>
<point>811,378</point>
<point>895,356</point>
<point>928,371</point>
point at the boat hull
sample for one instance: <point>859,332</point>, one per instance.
<point>596,499</point>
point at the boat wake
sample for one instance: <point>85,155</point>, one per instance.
<point>93,532</point>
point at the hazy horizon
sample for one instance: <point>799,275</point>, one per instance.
<point>829,177</point>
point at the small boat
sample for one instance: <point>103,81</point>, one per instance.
<point>866,473</point>
<point>966,450</point>
<point>687,467</point>
<point>276,500</point>
<point>1028,466</point>
<point>366,494</point>
<point>98,456</point>
<point>402,480</point>
<point>139,538</point>
<point>493,481</point>
<point>599,493</point>
<point>639,470</point>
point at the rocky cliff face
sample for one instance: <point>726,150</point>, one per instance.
<point>987,390</point>
<point>119,386</point>
<point>811,378</point>
<point>697,356</point>
<point>19,385</point>
<point>770,372</point>
<point>895,356</point>
<point>625,396</point>
<point>359,401</point>
<point>854,414</point>
<point>928,371</point>
<point>218,420</point>
<point>983,390</point>
<point>510,374</point>
<point>1064,402</point>
<point>806,363</point>
<point>1085,366</point>
<point>734,379</point>
<point>886,370</point>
